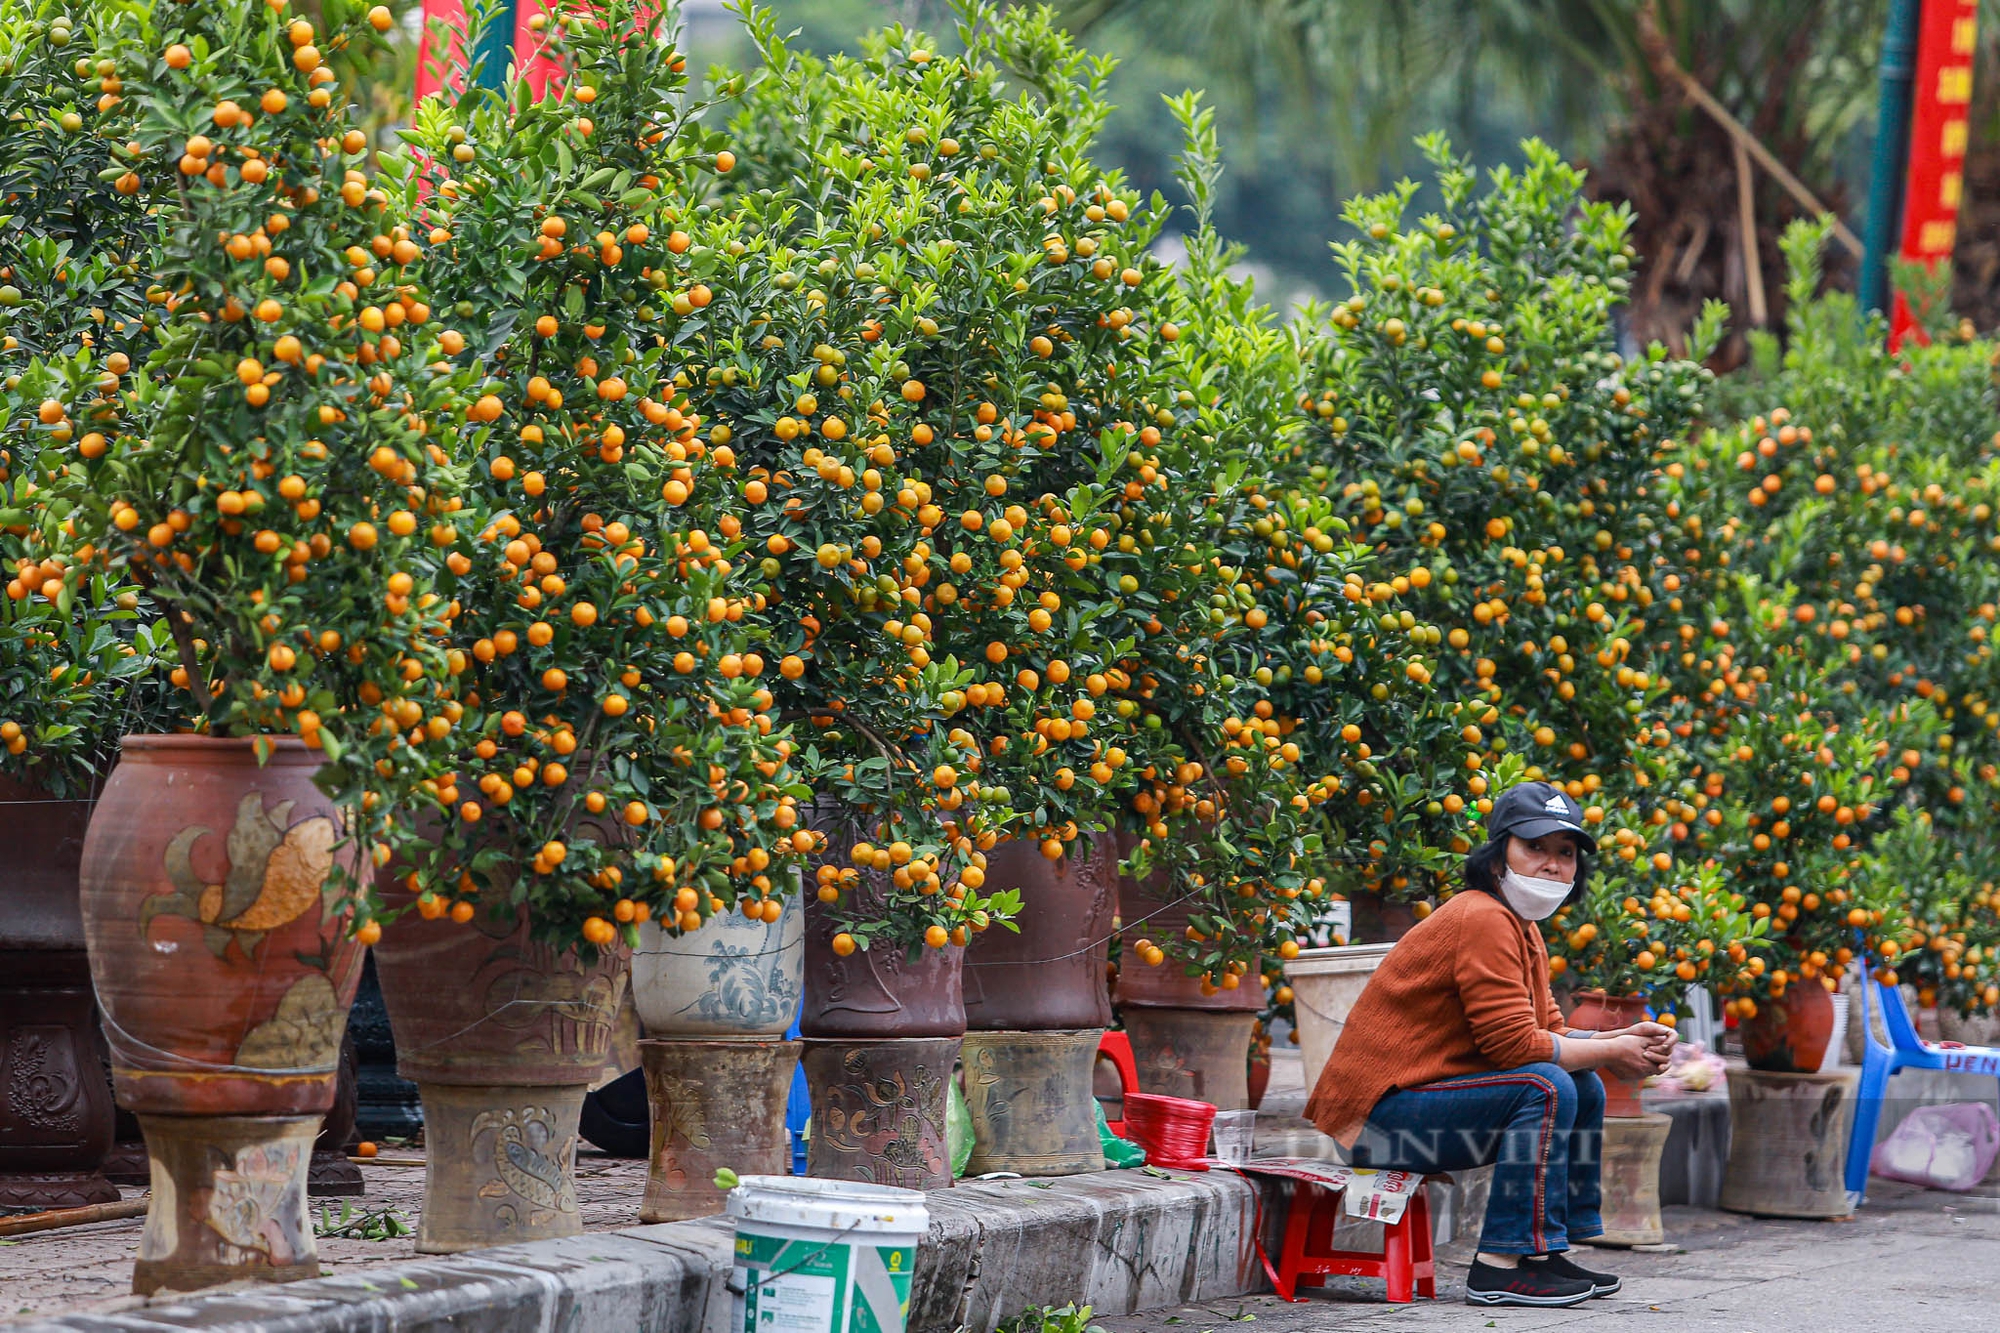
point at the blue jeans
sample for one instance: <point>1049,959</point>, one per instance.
<point>1540,1127</point>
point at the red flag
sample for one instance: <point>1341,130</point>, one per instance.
<point>1936,177</point>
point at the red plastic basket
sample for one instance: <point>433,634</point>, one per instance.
<point>1172,1130</point>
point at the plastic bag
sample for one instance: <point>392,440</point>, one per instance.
<point>957,1131</point>
<point>1118,1153</point>
<point>1941,1147</point>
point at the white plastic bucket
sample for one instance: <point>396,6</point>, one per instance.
<point>1325,985</point>
<point>823,1256</point>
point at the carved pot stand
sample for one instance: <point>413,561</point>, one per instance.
<point>224,974</point>
<point>502,1036</point>
<point>716,1003</point>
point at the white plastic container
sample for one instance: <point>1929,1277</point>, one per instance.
<point>823,1256</point>
<point>1325,984</point>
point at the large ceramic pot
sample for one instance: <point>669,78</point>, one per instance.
<point>879,1110</point>
<point>1325,984</point>
<point>1595,1011</point>
<point>502,1035</point>
<point>879,992</point>
<point>1790,1035</point>
<point>1029,1096</point>
<point>1050,975</point>
<point>1145,914</point>
<point>734,977</point>
<point>56,1112</point>
<point>713,1104</point>
<point>225,975</point>
<point>1200,1054</point>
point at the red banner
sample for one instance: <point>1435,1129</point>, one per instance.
<point>1935,182</point>
<point>515,39</point>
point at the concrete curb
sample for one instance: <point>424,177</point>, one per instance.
<point>1121,1241</point>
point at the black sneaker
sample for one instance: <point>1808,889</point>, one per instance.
<point>1527,1284</point>
<point>1559,1263</point>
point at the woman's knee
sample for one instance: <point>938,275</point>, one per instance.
<point>1589,1094</point>
<point>1558,1087</point>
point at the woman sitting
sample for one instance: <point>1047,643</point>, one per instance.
<point>1455,1057</point>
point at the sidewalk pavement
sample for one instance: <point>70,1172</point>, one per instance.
<point>1910,1258</point>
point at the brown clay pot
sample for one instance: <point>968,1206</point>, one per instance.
<point>56,1112</point>
<point>1788,1138</point>
<point>1595,1011</point>
<point>1200,1054</point>
<point>1374,919</point>
<point>713,1104</point>
<point>1258,1080</point>
<point>880,992</point>
<point>225,976</point>
<point>1789,1035</point>
<point>1144,914</point>
<point>502,1035</point>
<point>1051,975</point>
<point>879,1110</point>
<point>1029,1095</point>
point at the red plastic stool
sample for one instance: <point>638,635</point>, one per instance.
<point>1117,1048</point>
<point>1407,1260</point>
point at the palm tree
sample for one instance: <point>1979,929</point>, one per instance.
<point>1798,74</point>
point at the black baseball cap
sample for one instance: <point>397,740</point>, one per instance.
<point>1535,810</point>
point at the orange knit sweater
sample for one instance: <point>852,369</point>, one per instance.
<point>1466,991</point>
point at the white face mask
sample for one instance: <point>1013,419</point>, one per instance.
<point>1532,898</point>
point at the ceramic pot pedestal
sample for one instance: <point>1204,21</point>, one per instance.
<point>55,1105</point>
<point>713,1104</point>
<point>879,1110</point>
<point>1788,1143</point>
<point>1200,1054</point>
<point>1631,1174</point>
<point>1029,1094</point>
<point>229,1202</point>
<point>500,1165</point>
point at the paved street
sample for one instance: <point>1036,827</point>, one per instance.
<point>1910,1260</point>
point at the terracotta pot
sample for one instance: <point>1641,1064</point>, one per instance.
<point>879,1110</point>
<point>1788,1143</point>
<point>1144,915</point>
<point>1029,1095</point>
<point>503,1035</point>
<point>1631,1178</point>
<point>1051,975</point>
<point>1595,1011</point>
<point>1374,919</point>
<point>1198,1054</point>
<point>732,978</point>
<point>881,992</point>
<point>1325,985</point>
<point>713,1104</point>
<point>1790,1035</point>
<point>224,975</point>
<point>56,1114</point>
<point>1258,1080</point>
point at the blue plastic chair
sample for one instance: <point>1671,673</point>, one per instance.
<point>1906,1050</point>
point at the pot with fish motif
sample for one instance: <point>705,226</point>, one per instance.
<point>224,969</point>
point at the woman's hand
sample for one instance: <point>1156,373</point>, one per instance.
<point>1632,1054</point>
<point>1657,1035</point>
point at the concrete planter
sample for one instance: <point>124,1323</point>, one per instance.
<point>1325,984</point>
<point>1029,1095</point>
<point>732,978</point>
